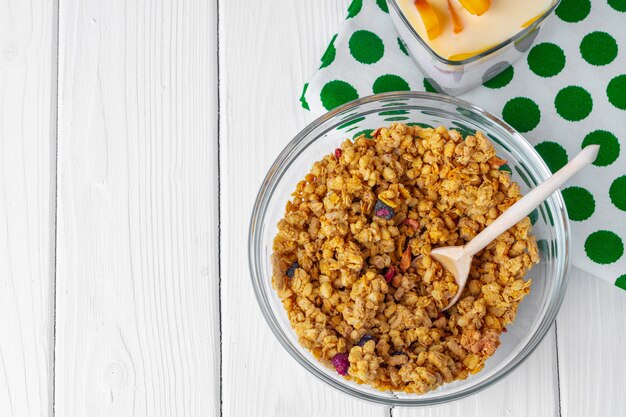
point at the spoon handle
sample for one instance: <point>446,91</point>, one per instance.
<point>530,201</point>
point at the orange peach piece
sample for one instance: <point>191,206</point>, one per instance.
<point>476,7</point>
<point>533,20</point>
<point>456,20</point>
<point>466,55</point>
<point>429,17</point>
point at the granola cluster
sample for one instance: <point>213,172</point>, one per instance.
<point>352,258</point>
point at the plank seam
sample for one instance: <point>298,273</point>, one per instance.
<point>219,212</point>
<point>558,367</point>
<point>54,193</point>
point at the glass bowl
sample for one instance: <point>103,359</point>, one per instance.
<point>536,312</point>
<point>456,77</point>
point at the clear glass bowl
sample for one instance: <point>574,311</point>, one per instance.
<point>536,312</point>
<point>456,77</point>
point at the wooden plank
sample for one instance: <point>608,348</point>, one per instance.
<point>137,287</point>
<point>531,390</point>
<point>27,153</point>
<point>592,348</point>
<point>267,51</point>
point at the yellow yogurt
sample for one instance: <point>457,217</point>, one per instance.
<point>501,21</point>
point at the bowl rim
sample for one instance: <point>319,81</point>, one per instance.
<point>256,274</point>
<point>519,35</point>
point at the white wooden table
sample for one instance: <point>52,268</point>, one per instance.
<point>133,137</point>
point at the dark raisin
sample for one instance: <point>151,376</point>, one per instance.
<point>366,338</point>
<point>292,269</point>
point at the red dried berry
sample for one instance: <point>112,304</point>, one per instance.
<point>504,330</point>
<point>341,363</point>
<point>383,211</point>
<point>412,223</point>
<point>338,153</point>
<point>391,272</point>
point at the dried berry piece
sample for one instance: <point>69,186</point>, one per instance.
<point>341,363</point>
<point>391,272</point>
<point>396,281</point>
<point>405,262</point>
<point>383,211</point>
<point>292,269</point>
<point>366,338</point>
<point>412,223</point>
<point>338,153</point>
<point>396,353</point>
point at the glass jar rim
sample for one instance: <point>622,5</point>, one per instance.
<point>519,35</point>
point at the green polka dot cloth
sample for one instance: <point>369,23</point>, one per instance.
<point>568,92</point>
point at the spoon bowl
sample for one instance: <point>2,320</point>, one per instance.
<point>458,259</point>
<point>458,263</point>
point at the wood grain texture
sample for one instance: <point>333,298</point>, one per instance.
<point>267,51</point>
<point>592,348</point>
<point>137,286</point>
<point>27,152</point>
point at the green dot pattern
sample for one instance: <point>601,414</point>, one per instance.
<point>579,202</point>
<point>390,82</point>
<point>500,80</point>
<point>609,146</point>
<point>337,92</point>
<point>367,133</point>
<point>428,86</point>
<point>604,247</point>
<point>392,112</point>
<point>617,193</point>
<point>546,59</point>
<point>382,4</point>
<point>573,103</point>
<point>598,48</point>
<point>553,154</point>
<point>354,8</point>
<point>303,102</point>
<point>366,47</point>
<point>330,54</point>
<point>402,47</point>
<point>616,91</point>
<point>424,125</point>
<point>351,122</point>
<point>522,113</point>
<point>506,168</point>
<point>620,282</point>
<point>619,5</point>
<point>573,11</point>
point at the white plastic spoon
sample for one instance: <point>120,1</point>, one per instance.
<point>458,259</point>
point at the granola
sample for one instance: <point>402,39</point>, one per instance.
<point>352,261</point>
